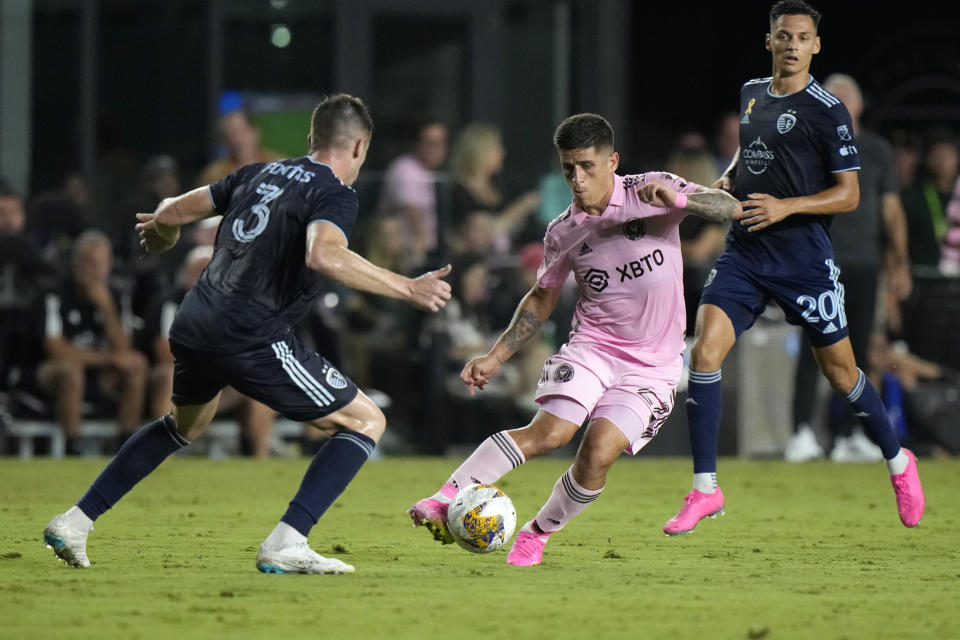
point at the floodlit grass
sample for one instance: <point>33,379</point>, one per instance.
<point>805,551</point>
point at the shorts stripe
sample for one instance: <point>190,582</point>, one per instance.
<point>346,435</point>
<point>572,491</point>
<point>306,374</point>
<point>499,439</point>
<point>296,376</point>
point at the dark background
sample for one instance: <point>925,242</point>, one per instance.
<point>155,71</point>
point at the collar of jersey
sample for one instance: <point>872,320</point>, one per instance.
<point>616,199</point>
<point>773,95</point>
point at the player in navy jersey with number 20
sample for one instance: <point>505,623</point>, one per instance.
<point>285,226</point>
<point>796,165</point>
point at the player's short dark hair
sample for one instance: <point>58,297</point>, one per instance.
<point>794,8</point>
<point>583,131</point>
<point>337,120</point>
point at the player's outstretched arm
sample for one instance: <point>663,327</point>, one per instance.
<point>714,205</point>
<point>160,230</point>
<point>531,313</point>
<point>327,254</point>
<point>762,210</point>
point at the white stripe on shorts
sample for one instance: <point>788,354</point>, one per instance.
<point>294,374</point>
<point>306,374</point>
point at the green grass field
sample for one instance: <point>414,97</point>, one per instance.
<point>805,551</point>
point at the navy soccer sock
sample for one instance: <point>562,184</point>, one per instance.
<point>704,406</point>
<point>331,471</point>
<point>869,409</point>
<point>137,458</point>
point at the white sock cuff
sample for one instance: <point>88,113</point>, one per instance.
<point>509,448</point>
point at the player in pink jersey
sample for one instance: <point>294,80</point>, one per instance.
<point>621,365</point>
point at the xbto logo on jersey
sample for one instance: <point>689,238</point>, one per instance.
<point>634,229</point>
<point>634,268</point>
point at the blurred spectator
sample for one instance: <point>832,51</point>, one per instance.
<point>241,138</point>
<point>56,217</point>
<point>475,165</point>
<point>89,352</point>
<point>906,158</point>
<point>410,193</point>
<point>921,397</point>
<point>256,419</point>
<point>726,141</point>
<point>701,241</point>
<point>950,248</point>
<point>926,202</point>
<point>22,275</point>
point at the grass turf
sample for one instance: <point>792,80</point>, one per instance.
<point>805,551</point>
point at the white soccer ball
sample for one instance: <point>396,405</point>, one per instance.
<point>481,518</point>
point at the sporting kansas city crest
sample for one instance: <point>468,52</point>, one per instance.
<point>634,229</point>
<point>335,379</point>
<point>785,122</point>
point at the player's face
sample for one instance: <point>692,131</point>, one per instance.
<point>589,174</point>
<point>793,41</point>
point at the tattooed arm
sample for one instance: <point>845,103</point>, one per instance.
<point>530,315</point>
<point>714,205</point>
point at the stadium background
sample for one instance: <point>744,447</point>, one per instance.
<point>99,86</point>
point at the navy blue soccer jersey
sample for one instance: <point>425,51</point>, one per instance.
<point>789,147</point>
<point>258,285</point>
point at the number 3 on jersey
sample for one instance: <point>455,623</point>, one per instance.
<point>269,193</point>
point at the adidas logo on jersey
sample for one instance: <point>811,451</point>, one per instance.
<point>585,249</point>
<point>830,328</point>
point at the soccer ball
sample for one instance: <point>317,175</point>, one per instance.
<point>481,518</point>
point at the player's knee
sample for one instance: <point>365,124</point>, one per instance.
<point>372,424</point>
<point>706,355</point>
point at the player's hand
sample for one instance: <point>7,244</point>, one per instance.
<point>477,372</point>
<point>657,194</point>
<point>430,292</point>
<point>724,182</point>
<point>761,211</point>
<point>155,237</point>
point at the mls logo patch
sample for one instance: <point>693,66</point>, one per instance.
<point>785,122</point>
<point>844,132</point>
<point>335,379</point>
<point>710,277</point>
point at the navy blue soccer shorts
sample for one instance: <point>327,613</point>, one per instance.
<point>812,298</point>
<point>286,376</point>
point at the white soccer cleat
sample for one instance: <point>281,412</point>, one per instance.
<point>298,558</point>
<point>803,447</point>
<point>67,541</point>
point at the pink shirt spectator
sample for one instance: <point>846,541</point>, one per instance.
<point>408,184</point>
<point>629,271</point>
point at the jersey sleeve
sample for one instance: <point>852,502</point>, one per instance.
<point>838,148</point>
<point>339,208</point>
<point>554,269</point>
<point>221,191</point>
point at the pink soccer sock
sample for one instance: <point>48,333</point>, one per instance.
<point>493,459</point>
<point>566,501</point>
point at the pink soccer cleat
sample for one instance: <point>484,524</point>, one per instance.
<point>910,500</point>
<point>432,514</point>
<point>698,506</point>
<point>527,549</point>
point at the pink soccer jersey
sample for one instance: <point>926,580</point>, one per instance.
<point>628,268</point>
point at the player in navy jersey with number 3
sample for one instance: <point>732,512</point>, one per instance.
<point>796,165</point>
<point>285,226</point>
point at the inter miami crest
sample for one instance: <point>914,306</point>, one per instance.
<point>634,229</point>
<point>564,373</point>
